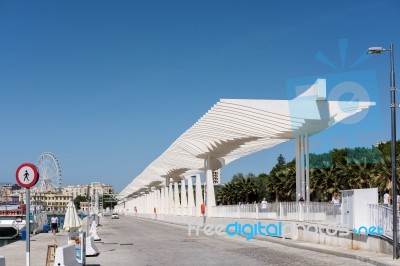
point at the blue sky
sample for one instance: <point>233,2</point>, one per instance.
<point>107,86</point>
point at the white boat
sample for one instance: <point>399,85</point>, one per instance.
<point>13,222</point>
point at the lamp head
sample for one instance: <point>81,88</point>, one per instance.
<point>375,50</point>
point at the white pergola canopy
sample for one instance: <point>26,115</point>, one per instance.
<point>234,128</point>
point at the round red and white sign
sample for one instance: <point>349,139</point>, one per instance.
<point>27,175</point>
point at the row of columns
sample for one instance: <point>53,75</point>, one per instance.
<point>166,200</point>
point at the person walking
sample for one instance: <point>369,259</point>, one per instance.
<point>264,205</point>
<point>54,224</point>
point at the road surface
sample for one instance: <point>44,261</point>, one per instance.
<point>136,241</point>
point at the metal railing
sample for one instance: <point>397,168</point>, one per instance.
<point>382,216</point>
<point>290,211</point>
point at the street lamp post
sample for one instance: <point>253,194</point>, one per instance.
<point>393,106</point>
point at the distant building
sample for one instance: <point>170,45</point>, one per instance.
<point>48,201</point>
<point>9,193</point>
<point>57,202</point>
<point>77,190</point>
<point>89,189</point>
<point>84,206</point>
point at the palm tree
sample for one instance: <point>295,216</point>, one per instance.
<point>262,186</point>
<point>325,181</point>
<point>274,185</point>
<point>358,173</point>
<point>227,194</point>
<point>287,178</point>
<point>246,188</point>
<point>382,173</point>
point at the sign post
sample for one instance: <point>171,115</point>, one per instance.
<point>27,176</point>
<point>28,226</point>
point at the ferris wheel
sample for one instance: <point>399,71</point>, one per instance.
<point>49,173</point>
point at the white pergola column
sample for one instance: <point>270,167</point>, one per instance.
<point>142,203</point>
<point>199,196</point>
<point>176,198</point>
<point>210,201</point>
<point>166,200</point>
<point>146,203</point>
<point>298,169</point>
<point>171,200</point>
<point>302,168</point>
<point>162,200</point>
<point>151,201</point>
<point>303,178</point>
<point>135,203</point>
<point>307,151</point>
<point>157,200</point>
<point>139,204</point>
<point>190,197</point>
<point>183,198</point>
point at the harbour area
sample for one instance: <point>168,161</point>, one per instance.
<point>132,240</point>
<point>15,251</point>
<point>4,242</point>
<point>13,221</point>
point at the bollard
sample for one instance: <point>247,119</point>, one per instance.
<point>91,249</point>
<point>66,255</point>
<point>93,230</point>
<point>2,261</point>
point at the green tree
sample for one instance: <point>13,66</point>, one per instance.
<point>339,156</point>
<point>247,189</point>
<point>109,201</point>
<point>261,181</point>
<point>274,185</point>
<point>320,160</point>
<point>228,194</point>
<point>281,160</point>
<point>324,182</point>
<point>287,178</point>
<point>358,173</point>
<point>382,174</point>
<point>240,189</point>
<point>237,177</point>
<point>386,148</point>
<point>78,200</point>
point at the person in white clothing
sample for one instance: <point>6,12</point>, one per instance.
<point>336,204</point>
<point>264,204</point>
<point>386,199</point>
<point>335,199</point>
<point>398,201</point>
<point>54,224</point>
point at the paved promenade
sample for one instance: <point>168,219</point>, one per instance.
<point>137,241</point>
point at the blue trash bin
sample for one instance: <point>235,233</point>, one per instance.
<point>46,228</point>
<point>23,234</point>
